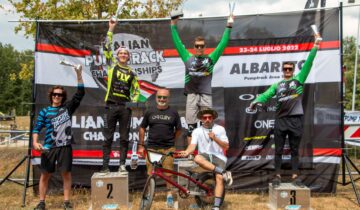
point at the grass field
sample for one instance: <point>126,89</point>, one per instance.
<point>11,194</point>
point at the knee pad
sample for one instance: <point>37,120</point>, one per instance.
<point>190,129</point>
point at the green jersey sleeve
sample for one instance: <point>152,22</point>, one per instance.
<point>268,94</point>
<point>184,54</point>
<point>215,55</point>
<point>305,70</point>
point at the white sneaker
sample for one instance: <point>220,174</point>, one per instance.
<point>228,178</point>
<point>122,170</point>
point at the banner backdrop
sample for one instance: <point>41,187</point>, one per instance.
<point>258,46</point>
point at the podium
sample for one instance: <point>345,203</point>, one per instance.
<point>110,191</point>
<point>289,196</point>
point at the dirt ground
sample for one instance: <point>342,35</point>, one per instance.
<point>11,193</point>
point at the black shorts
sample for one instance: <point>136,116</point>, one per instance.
<point>59,156</point>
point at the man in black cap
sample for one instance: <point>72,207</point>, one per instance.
<point>212,141</point>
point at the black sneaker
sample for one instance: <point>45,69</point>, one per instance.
<point>67,206</point>
<point>104,171</point>
<point>276,182</point>
<point>40,206</point>
<point>297,182</point>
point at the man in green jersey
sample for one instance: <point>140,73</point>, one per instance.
<point>198,71</point>
<point>289,112</point>
<point>122,87</point>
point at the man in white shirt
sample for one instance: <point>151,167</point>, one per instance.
<point>212,141</point>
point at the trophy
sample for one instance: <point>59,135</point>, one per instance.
<point>316,31</point>
<point>119,7</point>
<point>67,63</point>
<point>176,14</point>
<point>231,10</point>
<point>134,157</point>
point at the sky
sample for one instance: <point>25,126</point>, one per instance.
<point>194,8</point>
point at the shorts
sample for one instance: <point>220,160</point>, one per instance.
<point>194,103</point>
<point>168,163</point>
<point>214,160</point>
<point>60,157</point>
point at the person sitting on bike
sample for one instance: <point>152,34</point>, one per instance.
<point>212,141</point>
<point>164,127</point>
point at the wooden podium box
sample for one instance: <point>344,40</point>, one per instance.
<point>110,191</point>
<point>288,194</point>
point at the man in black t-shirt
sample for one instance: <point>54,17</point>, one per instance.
<point>164,127</point>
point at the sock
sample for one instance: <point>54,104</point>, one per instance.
<point>217,201</point>
<point>218,170</point>
<point>66,201</point>
<point>42,201</point>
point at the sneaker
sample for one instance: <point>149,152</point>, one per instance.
<point>104,171</point>
<point>170,201</point>
<point>122,170</point>
<point>297,182</point>
<point>215,208</point>
<point>67,206</point>
<point>40,206</point>
<point>276,181</point>
<point>228,178</point>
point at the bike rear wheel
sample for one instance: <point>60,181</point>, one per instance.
<point>148,194</point>
<point>208,179</point>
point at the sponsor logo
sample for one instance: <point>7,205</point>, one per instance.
<point>248,157</point>
<point>254,111</point>
<point>260,124</point>
<point>144,60</point>
<point>261,68</point>
<point>254,138</point>
<point>253,147</point>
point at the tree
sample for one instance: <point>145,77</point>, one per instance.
<point>15,79</point>
<point>88,10</point>
<point>349,47</point>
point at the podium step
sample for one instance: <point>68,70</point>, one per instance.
<point>110,191</point>
<point>289,196</point>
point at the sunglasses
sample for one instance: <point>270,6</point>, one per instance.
<point>207,118</point>
<point>199,46</point>
<point>57,95</point>
<point>288,69</point>
<point>162,97</point>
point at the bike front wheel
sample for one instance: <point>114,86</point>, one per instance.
<point>148,194</point>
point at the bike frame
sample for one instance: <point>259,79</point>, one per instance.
<point>159,171</point>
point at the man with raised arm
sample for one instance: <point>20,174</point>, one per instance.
<point>212,142</point>
<point>289,113</point>
<point>198,72</point>
<point>56,151</point>
<point>122,87</point>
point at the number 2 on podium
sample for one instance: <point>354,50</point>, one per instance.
<point>293,197</point>
<point>110,189</point>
